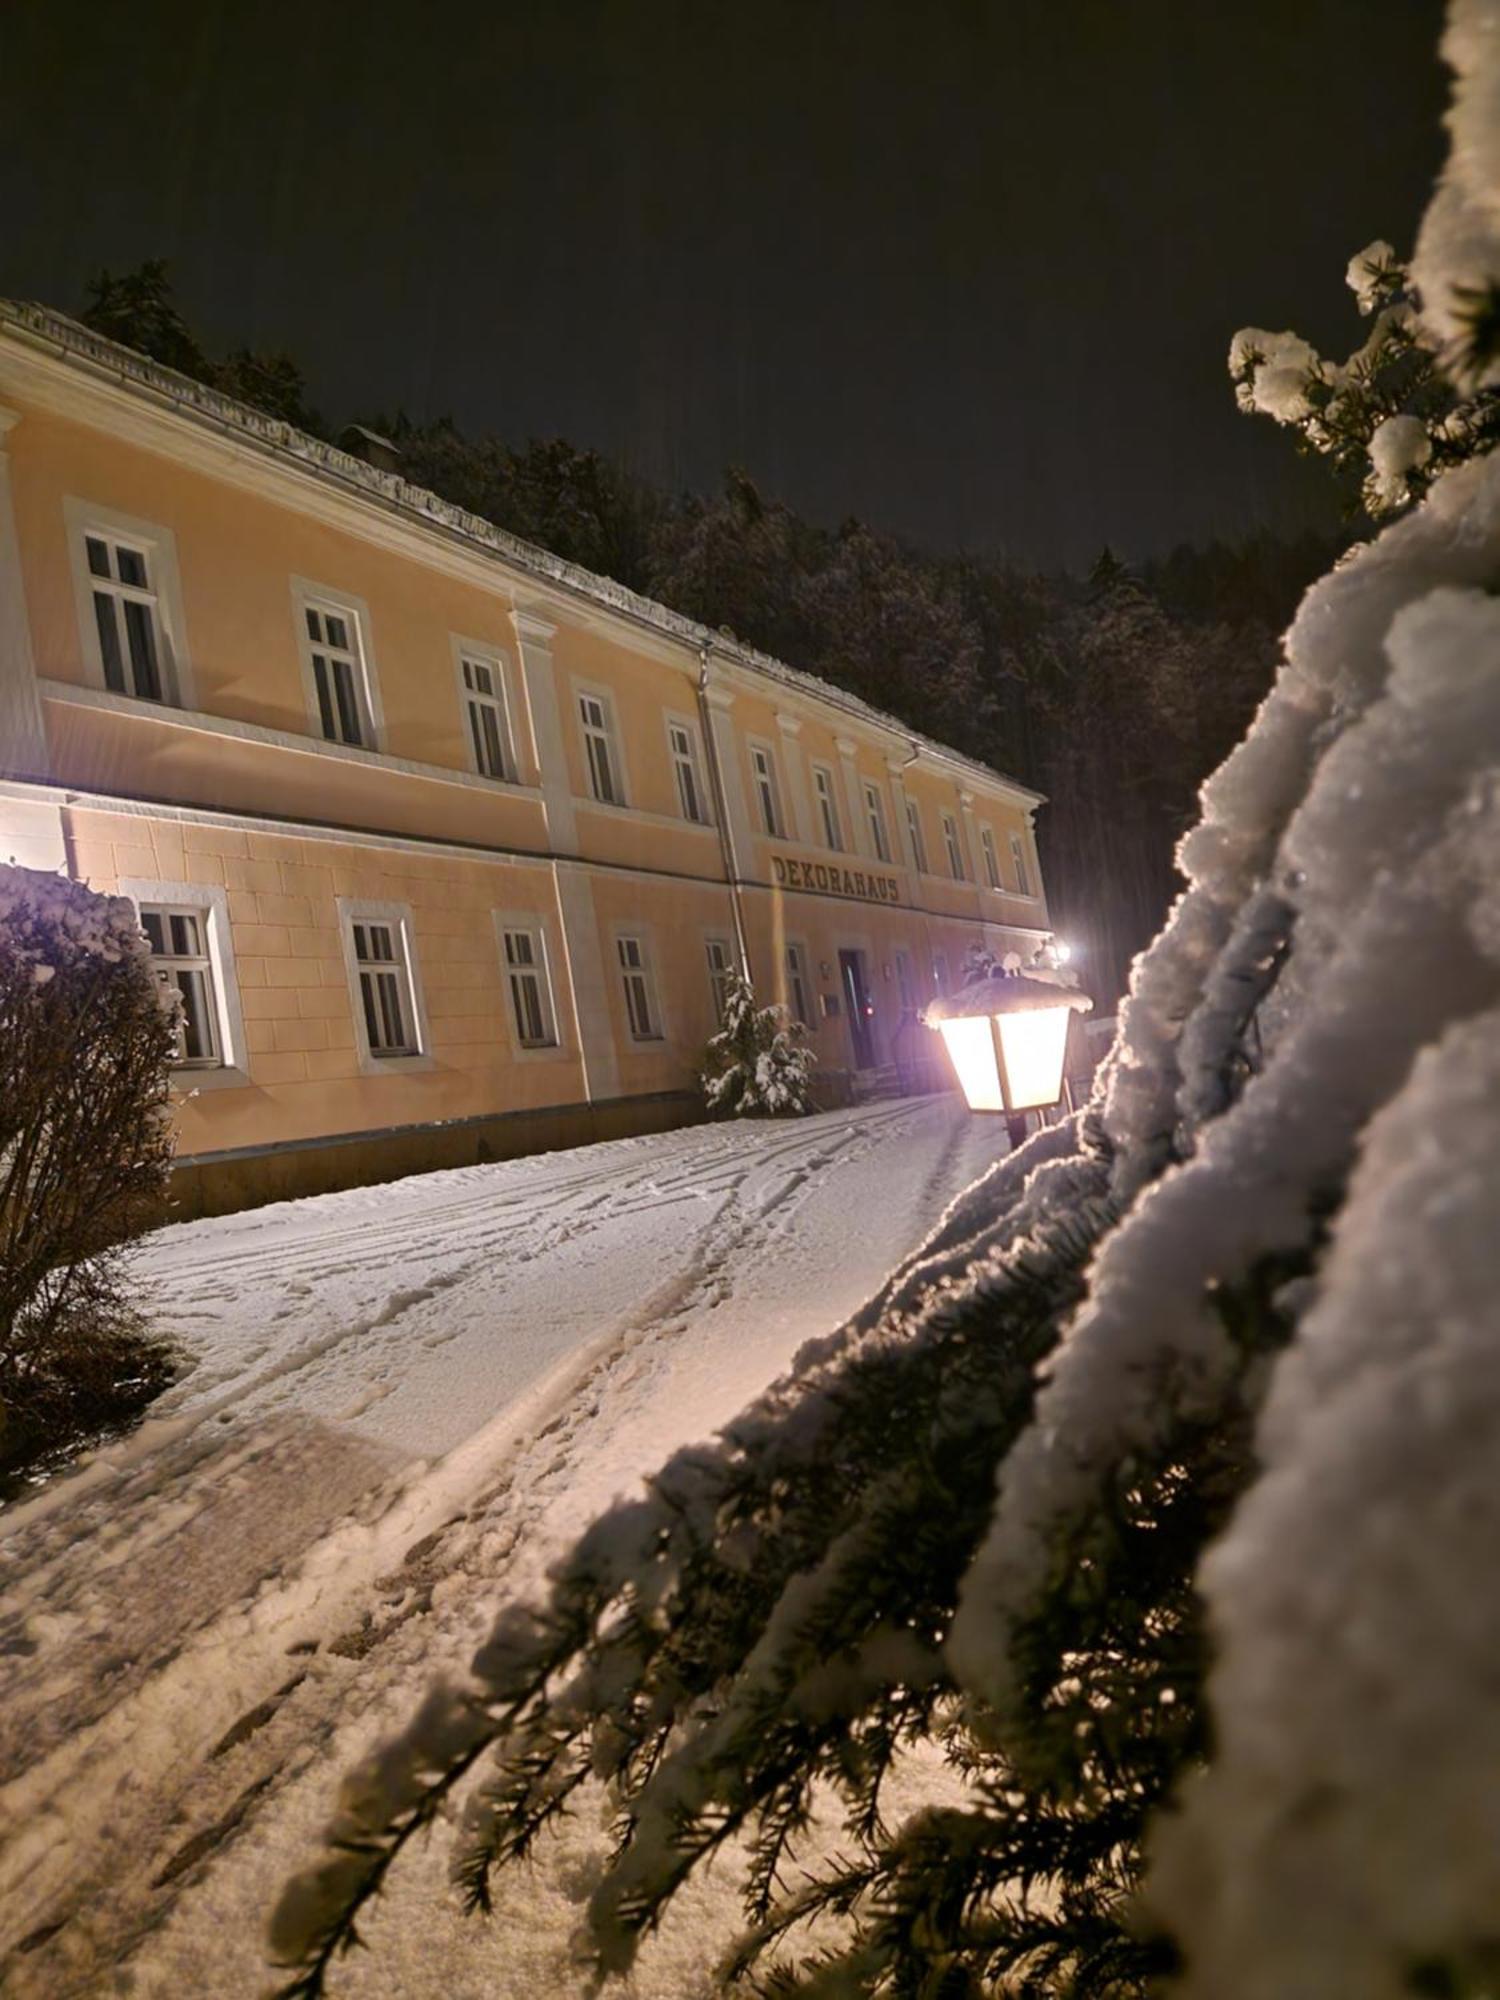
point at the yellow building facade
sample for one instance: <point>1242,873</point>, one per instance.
<point>446,843</point>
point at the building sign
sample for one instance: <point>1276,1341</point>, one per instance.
<point>831,879</point>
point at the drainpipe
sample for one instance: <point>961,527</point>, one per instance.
<point>721,814</point>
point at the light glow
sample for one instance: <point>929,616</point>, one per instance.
<point>970,1042</point>
<point>1034,1044</point>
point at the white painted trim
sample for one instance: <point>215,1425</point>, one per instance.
<point>540,925</point>
<point>234,1072</point>
<point>488,654</point>
<point>256,732</point>
<point>715,934</point>
<point>309,595</point>
<point>778,790</point>
<point>354,910</point>
<point>816,769</point>
<point>673,718</point>
<point>645,933</point>
<point>867,785</point>
<point>160,546</point>
<point>601,692</point>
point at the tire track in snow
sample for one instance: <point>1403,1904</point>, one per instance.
<point>421,1558</point>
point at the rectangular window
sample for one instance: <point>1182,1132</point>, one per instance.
<point>691,796</point>
<point>640,999</point>
<point>719,968</point>
<point>385,992</point>
<point>940,971</point>
<point>797,988</point>
<point>991,864</point>
<point>1018,862</point>
<point>880,845</point>
<point>127,616</point>
<point>955,852</point>
<point>599,749</point>
<point>767,791</point>
<point>180,958</point>
<point>338,673</point>
<point>489,725</point>
<point>914,829</point>
<point>530,989</point>
<point>828,808</point>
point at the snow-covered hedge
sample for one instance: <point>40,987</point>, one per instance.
<point>85,1043</point>
<point>757,1065</point>
<point>1158,1491</point>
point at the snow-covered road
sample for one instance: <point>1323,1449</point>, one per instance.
<point>400,1399</point>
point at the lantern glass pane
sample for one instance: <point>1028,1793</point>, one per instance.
<point>1034,1044</point>
<point>971,1049</point>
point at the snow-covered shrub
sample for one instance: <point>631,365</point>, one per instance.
<point>757,1065</point>
<point>85,1043</point>
<point>1157,1493</point>
<point>1393,415</point>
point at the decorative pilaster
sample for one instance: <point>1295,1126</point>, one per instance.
<point>23,740</point>
<point>796,778</point>
<point>859,831</point>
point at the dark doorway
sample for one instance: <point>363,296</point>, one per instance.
<point>861,1008</point>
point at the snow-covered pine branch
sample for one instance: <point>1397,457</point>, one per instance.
<point>974,1519</point>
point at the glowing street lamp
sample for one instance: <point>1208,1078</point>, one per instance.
<point>1007,1037</point>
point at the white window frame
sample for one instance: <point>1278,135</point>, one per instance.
<point>797,974</point>
<point>766,784</point>
<point>991,858</point>
<point>689,764</point>
<point>614,745</point>
<point>528,923</point>
<point>378,1062</point>
<point>158,546</point>
<point>880,840</point>
<point>827,800</point>
<point>474,652</point>
<point>718,951</point>
<point>1018,862</point>
<point>916,835</point>
<point>324,598</point>
<point>232,1070</point>
<point>952,841</point>
<point>645,970</point>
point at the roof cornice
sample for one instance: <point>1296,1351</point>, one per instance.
<point>78,345</point>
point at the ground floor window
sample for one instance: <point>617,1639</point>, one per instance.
<point>797,988</point>
<point>720,967</point>
<point>181,961</point>
<point>387,1004</point>
<point>530,995</point>
<point>640,995</point>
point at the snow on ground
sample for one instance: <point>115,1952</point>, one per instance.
<point>398,1400</point>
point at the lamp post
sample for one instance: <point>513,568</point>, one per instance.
<point>1007,1037</point>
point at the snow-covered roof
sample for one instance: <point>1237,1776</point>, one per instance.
<point>81,346</point>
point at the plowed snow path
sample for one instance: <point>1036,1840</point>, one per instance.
<point>400,1400</point>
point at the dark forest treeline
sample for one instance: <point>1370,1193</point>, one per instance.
<point>1114,695</point>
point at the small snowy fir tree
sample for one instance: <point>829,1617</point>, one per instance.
<point>1147,1517</point>
<point>757,1065</point>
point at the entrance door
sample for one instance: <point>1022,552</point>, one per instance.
<point>860,1006</point>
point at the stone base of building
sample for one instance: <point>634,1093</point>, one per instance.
<point>221,1183</point>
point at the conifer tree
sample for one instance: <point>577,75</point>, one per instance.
<point>971,1525</point>
<point>757,1065</point>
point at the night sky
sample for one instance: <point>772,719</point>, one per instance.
<point>967,270</point>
